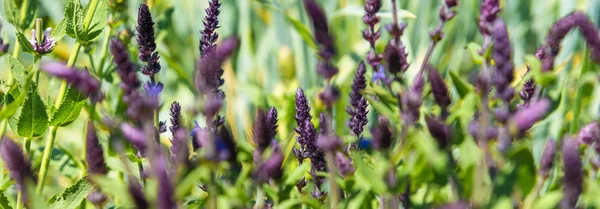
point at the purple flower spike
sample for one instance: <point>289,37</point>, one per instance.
<point>80,79</point>
<point>271,168</point>
<point>439,89</point>
<point>175,117</point>
<point>358,84</point>
<point>359,119</point>
<point>272,123</point>
<point>321,29</point>
<point>135,136</point>
<point>489,13</point>
<point>165,199</point>
<point>440,131</point>
<point>456,205</point>
<point>330,95</point>
<point>590,133</point>
<point>526,117</point>
<point>560,29</point>
<point>17,165</point>
<point>211,23</point>
<point>94,154</point>
<point>46,45</point>
<point>344,164</point>
<point>382,134</point>
<point>261,131</point>
<point>137,194</point>
<point>504,69</point>
<point>547,159</point>
<point>573,179</point>
<point>370,34</point>
<point>146,41</point>
<point>209,73</point>
<point>395,55</point>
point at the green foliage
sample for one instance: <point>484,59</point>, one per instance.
<point>68,111</point>
<point>20,13</point>
<point>33,120</point>
<point>24,43</point>
<point>71,197</point>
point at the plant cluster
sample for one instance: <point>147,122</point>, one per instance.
<point>408,142</point>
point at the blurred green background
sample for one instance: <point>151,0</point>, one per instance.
<point>277,54</point>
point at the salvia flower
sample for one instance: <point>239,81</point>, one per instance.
<point>85,83</point>
<point>261,131</point>
<point>209,73</point>
<point>359,119</point>
<point>358,84</point>
<point>573,179</point>
<point>135,136</point>
<point>94,153</point>
<point>175,112</point>
<point>329,142</point>
<point>329,95</point>
<point>370,34</point>
<point>440,131</point>
<point>344,164</point>
<point>272,123</point>
<point>44,46</point>
<point>560,29</point>
<point>165,198</point>
<point>590,133</point>
<point>97,198</point>
<point>439,89</point>
<point>382,134</point>
<point>547,159</point>
<point>271,168</point>
<point>17,165</point>
<point>137,194</point>
<point>504,69</point>
<point>179,146</point>
<point>491,133</point>
<point>395,55</point>
<point>321,29</point>
<point>211,23</point>
<point>489,13</point>
<point>526,117</point>
<point>146,41</point>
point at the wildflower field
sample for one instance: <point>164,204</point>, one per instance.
<point>449,104</point>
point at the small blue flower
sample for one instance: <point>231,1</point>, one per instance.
<point>153,89</point>
<point>364,144</point>
<point>380,74</point>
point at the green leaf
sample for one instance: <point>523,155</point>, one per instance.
<point>17,70</point>
<point>98,21</point>
<point>24,43</point>
<point>462,87</point>
<point>383,94</point>
<point>10,9</point>
<point>474,50</point>
<point>535,67</point>
<point>69,109</point>
<point>59,31</point>
<point>297,174</point>
<point>548,201</point>
<point>383,109</point>
<point>72,196</point>
<point>14,9</point>
<point>303,31</point>
<point>74,18</point>
<point>4,204</point>
<point>525,167</point>
<point>33,120</point>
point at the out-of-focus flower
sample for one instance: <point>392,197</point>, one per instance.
<point>344,164</point>
<point>320,29</point>
<point>94,154</point>
<point>137,194</point>
<point>560,29</point>
<point>271,168</point>
<point>440,131</point>
<point>382,134</point>
<point>359,118</point>
<point>590,133</point>
<point>3,47</point>
<point>456,205</point>
<point>211,23</point>
<point>329,143</point>
<point>209,73</point>
<point>573,179</point>
<point>526,117</point>
<point>439,89</point>
<point>46,45</point>
<point>370,34</point>
<point>489,13</point>
<point>165,198</point>
<point>260,130</point>
<point>329,95</point>
<point>547,159</point>
<point>395,55</point>
<point>97,198</point>
<point>504,69</point>
<point>80,79</point>
<point>17,165</point>
<point>135,136</point>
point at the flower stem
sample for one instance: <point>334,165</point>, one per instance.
<point>63,90</point>
<point>333,190</point>
<point>11,82</point>
<point>19,200</point>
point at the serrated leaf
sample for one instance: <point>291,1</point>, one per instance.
<point>4,204</point>
<point>72,196</point>
<point>74,18</point>
<point>462,87</point>
<point>24,43</point>
<point>14,10</point>
<point>33,120</point>
<point>69,109</point>
<point>99,19</point>
<point>59,31</point>
<point>10,11</point>
<point>17,70</point>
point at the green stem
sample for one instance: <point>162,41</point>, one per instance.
<point>259,198</point>
<point>578,96</point>
<point>26,145</point>
<point>63,90</point>
<point>333,189</point>
<point>11,81</point>
<point>19,200</point>
<point>46,159</point>
<point>104,52</point>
